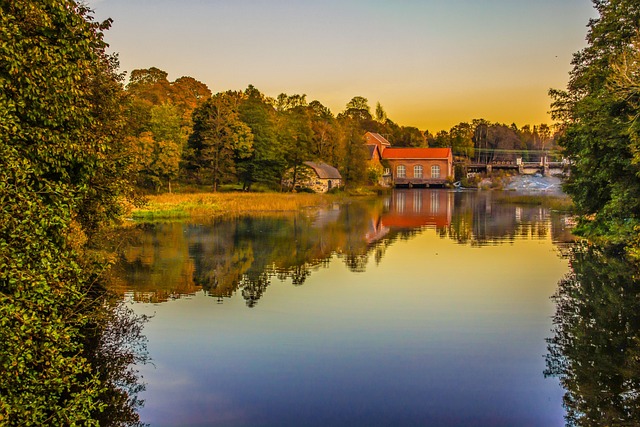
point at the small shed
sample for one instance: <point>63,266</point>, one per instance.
<point>320,177</point>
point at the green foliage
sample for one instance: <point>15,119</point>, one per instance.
<point>598,126</point>
<point>61,165</point>
<point>265,163</point>
<point>219,137</point>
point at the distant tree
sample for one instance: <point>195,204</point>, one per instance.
<point>150,84</point>
<point>357,109</point>
<point>219,138</point>
<point>326,134</point>
<point>461,138</point>
<point>187,93</point>
<point>353,165</point>
<point>480,142</point>
<point>286,102</point>
<point>295,137</point>
<point>440,140</point>
<point>381,115</point>
<point>409,136</point>
<point>265,163</point>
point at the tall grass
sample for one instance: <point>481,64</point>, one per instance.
<point>180,206</point>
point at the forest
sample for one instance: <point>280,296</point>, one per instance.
<point>177,131</point>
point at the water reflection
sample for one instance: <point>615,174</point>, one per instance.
<point>165,261</point>
<point>596,347</point>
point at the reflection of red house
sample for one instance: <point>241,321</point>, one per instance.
<point>419,208</point>
<point>419,166</point>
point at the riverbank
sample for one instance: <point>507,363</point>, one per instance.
<point>194,205</point>
<point>176,206</point>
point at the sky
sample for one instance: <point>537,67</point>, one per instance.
<point>430,63</point>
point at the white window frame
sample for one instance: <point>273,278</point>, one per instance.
<point>401,171</point>
<point>435,171</point>
<point>417,171</point>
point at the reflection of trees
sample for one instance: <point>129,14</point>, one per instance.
<point>244,254</point>
<point>115,346</point>
<point>155,260</point>
<point>479,219</point>
<point>596,347</point>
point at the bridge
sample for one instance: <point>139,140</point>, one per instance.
<point>543,167</point>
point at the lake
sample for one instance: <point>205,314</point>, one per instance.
<point>425,307</point>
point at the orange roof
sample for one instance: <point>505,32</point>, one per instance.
<point>416,153</point>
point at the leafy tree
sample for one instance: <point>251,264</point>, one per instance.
<point>326,134</point>
<point>598,125</point>
<point>186,94</point>
<point>150,85</point>
<point>381,115</point>
<point>265,163</point>
<point>358,109</point>
<point>61,165</point>
<point>440,140</point>
<point>219,137</point>
<point>286,102</point>
<point>409,136</point>
<point>295,137</point>
<point>354,166</point>
<point>461,137</point>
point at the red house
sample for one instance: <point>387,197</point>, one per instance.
<point>419,166</point>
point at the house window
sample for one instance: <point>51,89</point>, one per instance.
<point>435,171</point>
<point>401,172</point>
<point>417,171</point>
<point>387,171</point>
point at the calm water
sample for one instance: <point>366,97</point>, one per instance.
<point>427,307</point>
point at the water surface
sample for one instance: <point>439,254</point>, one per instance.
<point>427,307</point>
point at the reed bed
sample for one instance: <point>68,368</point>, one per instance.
<point>181,206</point>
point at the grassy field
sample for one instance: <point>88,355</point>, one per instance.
<point>195,205</point>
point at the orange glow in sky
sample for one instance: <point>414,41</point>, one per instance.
<point>430,63</point>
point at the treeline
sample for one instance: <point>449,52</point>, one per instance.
<point>180,131</point>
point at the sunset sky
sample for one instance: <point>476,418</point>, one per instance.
<point>430,63</point>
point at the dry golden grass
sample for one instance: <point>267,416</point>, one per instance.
<point>174,206</point>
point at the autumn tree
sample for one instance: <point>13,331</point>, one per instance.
<point>219,139</point>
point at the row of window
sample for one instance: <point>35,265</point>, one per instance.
<point>401,171</point>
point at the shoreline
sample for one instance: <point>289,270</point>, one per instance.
<point>172,206</point>
<point>184,206</point>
